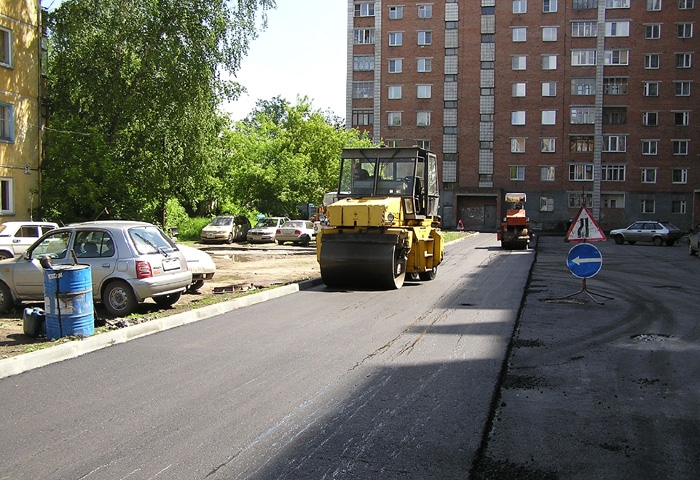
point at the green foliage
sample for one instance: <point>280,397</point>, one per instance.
<point>134,88</point>
<point>190,228</point>
<point>284,155</point>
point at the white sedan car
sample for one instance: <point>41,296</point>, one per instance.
<point>200,264</point>
<point>16,237</point>
<point>299,232</point>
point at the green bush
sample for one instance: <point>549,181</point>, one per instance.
<point>190,228</point>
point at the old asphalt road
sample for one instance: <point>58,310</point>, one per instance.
<point>607,391</point>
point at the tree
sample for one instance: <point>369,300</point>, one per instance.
<point>284,155</point>
<point>134,87</point>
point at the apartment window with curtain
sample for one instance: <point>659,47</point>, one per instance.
<point>6,122</point>
<point>5,47</point>
<point>651,61</point>
<point>549,6</point>
<point>395,12</point>
<point>517,172</point>
<point>7,194</point>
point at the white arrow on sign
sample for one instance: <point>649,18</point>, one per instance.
<point>579,260</point>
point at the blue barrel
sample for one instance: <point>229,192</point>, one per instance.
<point>68,301</point>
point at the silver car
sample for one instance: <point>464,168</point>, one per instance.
<point>129,262</point>
<point>694,241</point>
<point>265,230</point>
<point>648,231</point>
<point>299,232</point>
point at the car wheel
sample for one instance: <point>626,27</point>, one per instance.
<point>657,241</point>
<point>305,240</point>
<point>229,239</point>
<point>4,255</point>
<point>6,300</point>
<point>619,239</point>
<point>195,286</point>
<point>119,299</point>
<point>167,300</point>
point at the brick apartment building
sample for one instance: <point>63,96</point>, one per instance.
<point>568,101</point>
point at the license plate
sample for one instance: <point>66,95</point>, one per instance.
<point>171,264</point>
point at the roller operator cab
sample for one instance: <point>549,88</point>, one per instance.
<point>384,224</point>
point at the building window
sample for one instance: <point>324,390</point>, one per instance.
<point>617,29</point>
<point>581,172</point>
<point>423,119</point>
<point>681,119</point>
<point>394,119</point>
<point>654,5</point>
<point>648,206</point>
<point>680,147</point>
<point>582,115</point>
<point>549,89</point>
<point>617,57</point>
<point>425,64</point>
<point>613,173</point>
<point>362,89</point>
<point>517,117</point>
<point>587,28</point>
<point>395,65</point>
<point>549,117</point>
<point>684,60</point>
<point>615,143</point>
<point>364,9</point>
<point>451,52</point>
<point>686,4</point>
<point>613,200</point>
<point>651,89</point>
<point>615,85</point>
<point>425,38</point>
<point>648,175</point>
<point>678,206</point>
<point>650,147</point>
<point>547,173</point>
<point>395,12</point>
<point>651,61</point>
<point>517,145</point>
<point>449,130</point>
<point>363,36</point>
<point>549,34</point>
<point>425,11</point>
<point>7,195</point>
<point>448,104</point>
<point>679,175</point>
<point>548,145</point>
<point>395,92</point>
<point>452,26</point>
<point>546,203</point>
<point>583,86</point>
<point>650,119</point>
<point>519,6</point>
<point>581,143</point>
<point>549,6</point>
<point>6,122</point>
<point>519,62</point>
<point>682,89</point>
<point>395,39</point>
<point>580,58</point>
<point>652,31</point>
<point>577,200</point>
<point>517,173</point>
<point>423,143</point>
<point>549,62</point>
<point>423,91</point>
<point>614,115</point>
<point>362,118</point>
<point>585,4</point>
<point>450,78</point>
<point>5,47</point>
<point>519,34</point>
<point>519,89</point>
<point>617,3</point>
<point>363,63</point>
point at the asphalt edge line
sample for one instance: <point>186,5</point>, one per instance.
<point>57,353</point>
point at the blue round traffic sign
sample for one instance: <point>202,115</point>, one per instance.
<point>584,260</point>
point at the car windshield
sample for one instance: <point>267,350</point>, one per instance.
<point>266,222</point>
<point>149,240</point>
<point>221,221</point>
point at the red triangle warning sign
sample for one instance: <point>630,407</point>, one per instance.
<point>585,228</point>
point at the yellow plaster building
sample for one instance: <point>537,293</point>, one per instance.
<point>21,118</point>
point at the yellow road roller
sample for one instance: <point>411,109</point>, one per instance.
<point>384,224</point>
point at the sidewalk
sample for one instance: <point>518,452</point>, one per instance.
<point>602,391</point>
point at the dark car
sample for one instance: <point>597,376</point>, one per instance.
<point>648,231</point>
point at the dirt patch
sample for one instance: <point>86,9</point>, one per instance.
<point>239,271</point>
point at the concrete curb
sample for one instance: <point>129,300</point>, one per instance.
<point>28,361</point>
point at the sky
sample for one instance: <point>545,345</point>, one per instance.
<point>302,52</point>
